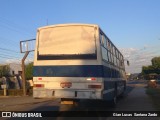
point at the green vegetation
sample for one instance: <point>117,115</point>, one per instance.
<point>29,71</point>
<point>152,70</point>
<point>4,70</point>
<point>154,93</point>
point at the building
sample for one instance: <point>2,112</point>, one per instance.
<point>10,69</point>
<point>10,75</point>
<point>15,69</point>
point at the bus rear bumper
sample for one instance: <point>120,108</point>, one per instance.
<point>61,93</point>
<point>42,93</point>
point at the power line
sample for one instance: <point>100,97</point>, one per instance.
<point>13,48</point>
<point>11,23</point>
<point>7,42</point>
<point>9,50</point>
<point>7,39</point>
<point>13,29</point>
<point>8,57</point>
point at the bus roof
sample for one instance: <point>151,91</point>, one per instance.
<point>68,24</point>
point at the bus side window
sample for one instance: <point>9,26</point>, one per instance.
<point>105,41</point>
<point>113,50</point>
<point>109,56</point>
<point>117,53</point>
<point>118,63</point>
<point>101,39</point>
<point>108,45</point>
<point>115,60</point>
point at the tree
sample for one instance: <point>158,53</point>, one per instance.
<point>29,71</point>
<point>148,69</point>
<point>4,70</point>
<point>152,70</point>
<point>156,62</point>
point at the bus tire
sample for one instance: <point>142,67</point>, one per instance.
<point>113,102</point>
<point>123,93</point>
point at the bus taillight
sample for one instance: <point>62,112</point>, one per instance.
<point>38,85</point>
<point>91,79</point>
<point>39,78</point>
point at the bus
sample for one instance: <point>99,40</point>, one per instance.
<point>75,62</point>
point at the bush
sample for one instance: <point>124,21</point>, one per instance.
<point>29,71</point>
<point>4,70</point>
<point>16,92</point>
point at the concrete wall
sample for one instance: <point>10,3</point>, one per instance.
<point>14,68</point>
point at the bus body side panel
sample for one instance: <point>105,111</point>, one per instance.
<point>109,89</point>
<point>113,81</point>
<point>113,84</point>
<point>113,87</point>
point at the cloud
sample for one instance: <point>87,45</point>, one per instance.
<point>127,52</point>
<point>139,57</point>
<point>17,61</point>
<point>12,61</point>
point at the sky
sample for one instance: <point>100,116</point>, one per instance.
<point>132,25</point>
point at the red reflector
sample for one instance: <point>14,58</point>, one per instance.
<point>39,78</point>
<point>38,85</point>
<point>95,86</point>
<point>93,78</point>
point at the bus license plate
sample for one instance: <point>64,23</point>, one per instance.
<point>67,102</point>
<point>66,84</point>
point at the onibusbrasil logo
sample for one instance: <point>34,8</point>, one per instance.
<point>21,114</point>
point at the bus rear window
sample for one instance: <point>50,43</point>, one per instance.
<point>70,42</point>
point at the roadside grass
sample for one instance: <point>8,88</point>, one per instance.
<point>154,93</point>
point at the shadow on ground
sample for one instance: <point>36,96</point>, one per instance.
<point>84,108</point>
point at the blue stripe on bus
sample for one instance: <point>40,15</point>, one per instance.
<point>75,71</point>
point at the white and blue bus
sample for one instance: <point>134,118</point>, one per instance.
<point>77,61</point>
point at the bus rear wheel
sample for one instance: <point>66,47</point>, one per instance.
<point>113,102</point>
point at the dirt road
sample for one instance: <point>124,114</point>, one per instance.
<point>137,100</point>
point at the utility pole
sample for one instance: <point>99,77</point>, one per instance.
<point>25,48</point>
<point>23,72</point>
